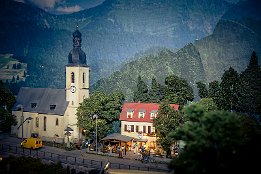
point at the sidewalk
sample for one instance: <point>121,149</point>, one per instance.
<point>130,155</point>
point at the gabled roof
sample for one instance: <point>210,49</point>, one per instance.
<point>148,108</point>
<point>43,98</point>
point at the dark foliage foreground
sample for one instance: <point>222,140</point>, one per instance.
<point>218,142</point>
<point>29,165</point>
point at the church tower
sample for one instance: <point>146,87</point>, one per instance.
<point>77,81</point>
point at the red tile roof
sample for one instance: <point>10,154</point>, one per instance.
<point>137,107</point>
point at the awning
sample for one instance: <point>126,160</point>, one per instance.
<point>117,137</point>
<point>140,140</point>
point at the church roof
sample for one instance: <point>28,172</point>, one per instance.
<point>77,56</point>
<point>42,100</point>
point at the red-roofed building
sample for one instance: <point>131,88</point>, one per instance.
<point>137,121</point>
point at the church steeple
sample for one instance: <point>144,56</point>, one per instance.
<point>77,38</point>
<point>76,55</point>
<point>77,81</point>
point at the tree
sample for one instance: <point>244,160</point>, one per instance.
<point>6,120</point>
<point>156,91</point>
<point>217,142</point>
<point>7,100</point>
<point>207,104</point>
<point>19,66</point>
<point>250,87</point>
<point>177,90</point>
<point>214,92</point>
<point>13,80</point>
<point>29,165</point>
<point>229,90</point>
<point>106,106</point>
<point>202,90</point>
<point>14,66</point>
<point>168,119</point>
<point>141,94</point>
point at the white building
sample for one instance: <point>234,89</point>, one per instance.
<point>52,112</point>
<point>137,122</point>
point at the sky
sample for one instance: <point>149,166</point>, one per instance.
<point>69,6</point>
<point>63,6</point>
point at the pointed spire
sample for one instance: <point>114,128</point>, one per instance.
<point>76,55</point>
<point>77,38</point>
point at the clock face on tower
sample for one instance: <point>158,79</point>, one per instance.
<point>73,89</point>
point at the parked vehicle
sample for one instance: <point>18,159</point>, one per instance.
<point>32,143</point>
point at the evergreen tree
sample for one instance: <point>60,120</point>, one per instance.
<point>13,80</point>
<point>14,66</point>
<point>177,90</point>
<point>19,66</point>
<point>229,90</point>
<point>141,94</point>
<point>214,92</point>
<point>250,87</point>
<point>7,100</point>
<point>202,90</point>
<point>156,91</point>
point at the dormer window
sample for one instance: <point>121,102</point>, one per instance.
<point>52,107</point>
<point>33,105</point>
<point>142,113</point>
<point>153,114</point>
<point>130,113</point>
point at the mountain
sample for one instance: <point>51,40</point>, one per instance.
<point>113,33</point>
<point>120,28</point>
<point>161,65</point>
<point>29,34</point>
<point>235,37</point>
<point>231,44</point>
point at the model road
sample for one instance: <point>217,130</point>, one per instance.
<point>78,157</point>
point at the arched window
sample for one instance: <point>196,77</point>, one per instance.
<point>36,122</point>
<point>45,119</point>
<point>57,122</point>
<point>83,77</point>
<point>72,77</point>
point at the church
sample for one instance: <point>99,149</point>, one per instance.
<point>51,113</point>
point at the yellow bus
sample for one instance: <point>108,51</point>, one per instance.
<point>32,143</point>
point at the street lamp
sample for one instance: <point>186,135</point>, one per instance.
<point>96,116</point>
<point>22,124</point>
